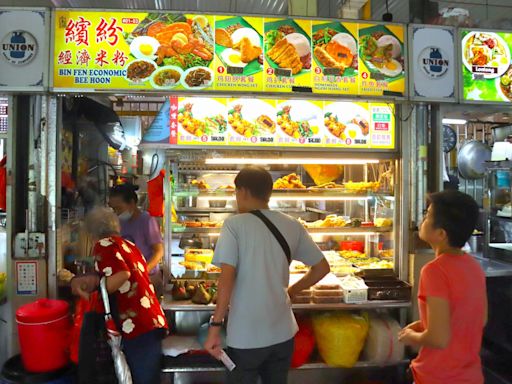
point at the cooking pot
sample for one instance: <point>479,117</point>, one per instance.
<point>471,159</point>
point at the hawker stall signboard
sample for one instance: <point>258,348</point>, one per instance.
<point>240,122</point>
<point>24,49</point>
<point>189,52</point>
<point>432,63</point>
<point>153,51</point>
<point>486,66</point>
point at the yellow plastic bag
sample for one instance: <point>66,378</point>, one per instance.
<point>340,337</point>
<point>323,174</point>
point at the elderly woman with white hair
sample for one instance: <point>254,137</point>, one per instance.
<point>142,321</point>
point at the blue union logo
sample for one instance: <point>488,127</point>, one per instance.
<point>18,47</point>
<point>433,62</point>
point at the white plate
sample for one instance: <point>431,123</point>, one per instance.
<point>170,86</point>
<point>502,68</point>
<point>138,81</point>
<point>203,107</point>
<point>186,86</point>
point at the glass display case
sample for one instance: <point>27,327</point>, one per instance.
<point>498,207</point>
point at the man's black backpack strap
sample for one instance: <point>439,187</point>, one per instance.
<point>277,234</point>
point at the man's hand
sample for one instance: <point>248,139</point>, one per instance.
<point>213,344</point>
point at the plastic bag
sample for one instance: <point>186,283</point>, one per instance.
<point>322,174</point>
<point>382,345</point>
<point>340,337</point>
<point>82,306</point>
<point>304,343</point>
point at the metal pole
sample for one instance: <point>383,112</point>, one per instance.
<point>53,192</point>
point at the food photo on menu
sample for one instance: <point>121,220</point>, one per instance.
<point>171,50</point>
<point>239,45</point>
<point>487,71</point>
<point>287,48</point>
<point>382,53</point>
<point>335,49</point>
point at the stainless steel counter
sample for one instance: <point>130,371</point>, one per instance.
<point>494,268</point>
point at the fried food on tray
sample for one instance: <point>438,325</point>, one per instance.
<point>329,185</point>
<point>203,224</point>
<point>350,255</point>
<point>331,221</point>
<point>223,38</point>
<point>362,186</point>
<point>291,181</point>
<point>193,266</point>
<point>200,184</point>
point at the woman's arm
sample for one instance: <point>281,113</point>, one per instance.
<point>156,257</point>
<point>115,281</point>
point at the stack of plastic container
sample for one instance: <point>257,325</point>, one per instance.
<point>328,290</point>
<point>303,297</point>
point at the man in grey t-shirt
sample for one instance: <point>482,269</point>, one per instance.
<point>254,284</point>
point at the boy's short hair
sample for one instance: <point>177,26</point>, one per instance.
<point>456,213</point>
<point>256,180</point>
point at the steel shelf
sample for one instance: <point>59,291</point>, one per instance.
<point>181,366</point>
<point>187,306</point>
<point>342,230</point>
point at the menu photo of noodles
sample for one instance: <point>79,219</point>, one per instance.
<point>487,71</point>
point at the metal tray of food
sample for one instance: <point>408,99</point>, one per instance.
<point>388,290</point>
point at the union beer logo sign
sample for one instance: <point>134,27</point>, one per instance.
<point>18,47</point>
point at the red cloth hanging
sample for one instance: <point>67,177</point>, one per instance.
<point>156,195</point>
<point>3,184</point>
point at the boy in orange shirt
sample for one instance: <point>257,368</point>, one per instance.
<point>452,297</point>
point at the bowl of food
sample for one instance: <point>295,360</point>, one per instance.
<point>166,77</point>
<point>197,78</point>
<point>139,71</point>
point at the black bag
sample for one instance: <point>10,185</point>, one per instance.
<point>277,234</point>
<point>95,363</point>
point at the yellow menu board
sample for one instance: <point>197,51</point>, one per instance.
<point>238,60</point>
<point>335,58</point>
<point>132,50</point>
<point>381,60</point>
<point>287,54</point>
<point>201,120</point>
<point>240,122</point>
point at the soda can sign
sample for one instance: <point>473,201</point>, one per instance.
<point>18,47</point>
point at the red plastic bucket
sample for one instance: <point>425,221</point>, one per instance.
<point>43,330</point>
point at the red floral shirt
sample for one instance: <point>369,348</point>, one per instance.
<point>139,309</point>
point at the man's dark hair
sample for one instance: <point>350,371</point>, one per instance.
<point>256,180</point>
<point>456,213</point>
<point>127,192</point>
